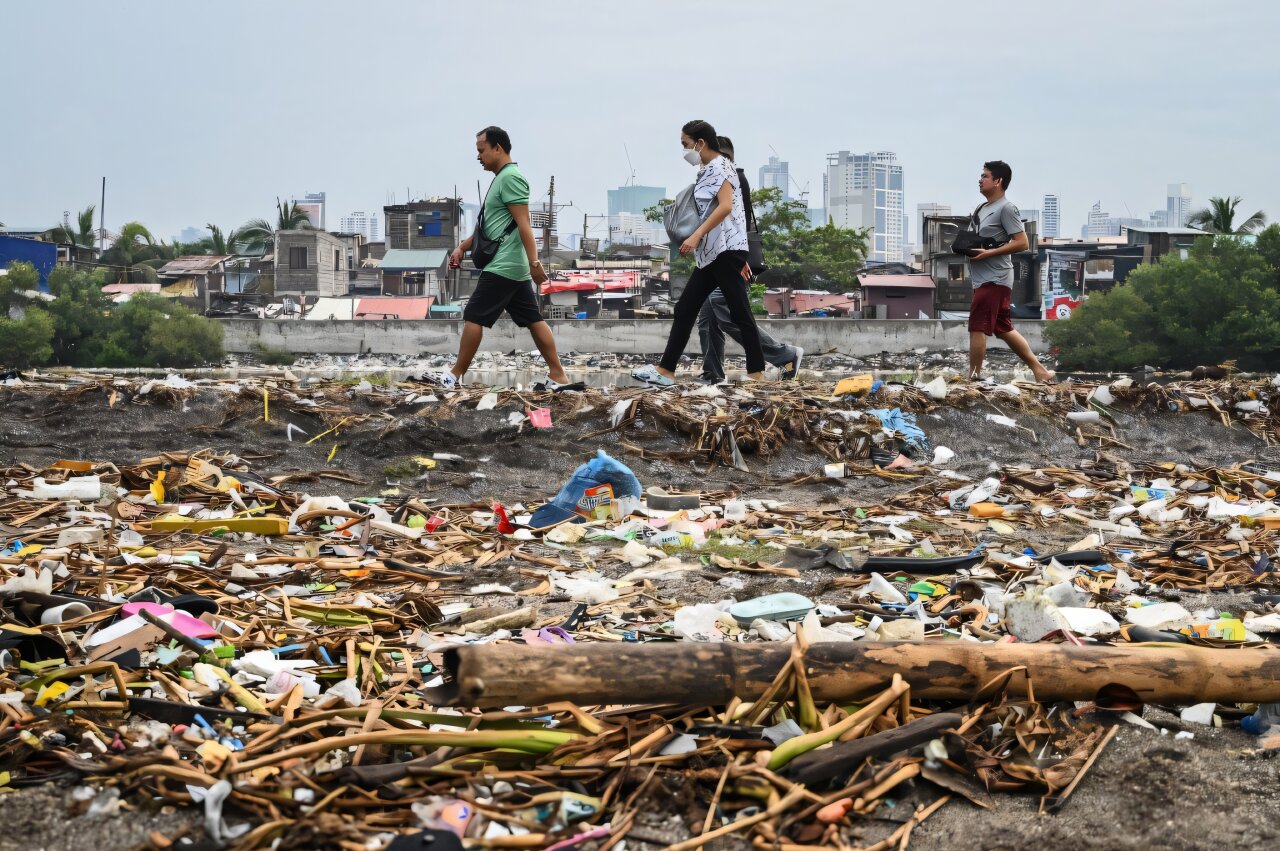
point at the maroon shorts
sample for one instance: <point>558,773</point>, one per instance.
<point>989,313</point>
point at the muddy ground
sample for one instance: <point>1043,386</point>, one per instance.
<point>1146,791</point>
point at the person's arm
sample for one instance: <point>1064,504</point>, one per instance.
<point>724,206</point>
<point>1018,242</point>
<point>520,212</point>
<point>455,257</point>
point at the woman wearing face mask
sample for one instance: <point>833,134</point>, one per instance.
<point>719,248</point>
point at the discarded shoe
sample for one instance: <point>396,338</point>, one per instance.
<point>649,374</point>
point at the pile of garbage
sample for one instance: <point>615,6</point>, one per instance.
<point>315,671</point>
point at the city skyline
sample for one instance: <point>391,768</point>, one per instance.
<point>223,174</point>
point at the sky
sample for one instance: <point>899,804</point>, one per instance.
<point>207,112</point>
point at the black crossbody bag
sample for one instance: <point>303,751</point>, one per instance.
<point>967,240</point>
<point>483,249</point>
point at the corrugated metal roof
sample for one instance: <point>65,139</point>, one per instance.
<point>413,259</point>
<point>192,264</point>
<point>920,282</point>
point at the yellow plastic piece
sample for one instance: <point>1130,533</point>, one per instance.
<point>855,385</point>
<point>249,525</point>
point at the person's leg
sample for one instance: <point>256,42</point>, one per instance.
<point>483,309</point>
<point>726,271</point>
<point>982,324</point>
<point>546,343</point>
<point>1022,349</point>
<point>524,310</point>
<point>711,339</point>
<point>472,334</point>
<point>977,353</point>
<point>701,283</point>
<point>775,351</point>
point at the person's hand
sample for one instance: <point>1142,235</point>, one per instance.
<point>984,254</point>
<point>455,258</point>
<point>539,274</point>
<point>746,272</point>
<point>690,245</point>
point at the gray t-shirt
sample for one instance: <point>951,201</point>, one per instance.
<point>998,220</point>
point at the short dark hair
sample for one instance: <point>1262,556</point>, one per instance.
<point>725,146</point>
<point>701,131</point>
<point>497,137</point>
<point>1000,171</point>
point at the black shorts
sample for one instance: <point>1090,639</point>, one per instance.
<point>495,294</point>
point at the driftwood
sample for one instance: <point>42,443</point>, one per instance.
<point>492,675</point>
<point>819,766</point>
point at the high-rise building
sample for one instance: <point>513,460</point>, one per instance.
<point>190,235</point>
<point>1160,218</point>
<point>1031,216</point>
<point>865,191</point>
<point>776,174</point>
<point>1102,224</point>
<point>635,229</point>
<point>1178,205</point>
<point>1051,218</point>
<point>361,223</point>
<point>634,199</point>
<point>923,211</point>
<point>313,205</point>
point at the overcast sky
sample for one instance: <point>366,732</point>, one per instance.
<point>205,112</point>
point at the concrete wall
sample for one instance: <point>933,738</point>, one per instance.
<point>858,337</point>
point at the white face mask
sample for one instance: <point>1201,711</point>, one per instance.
<point>692,157</point>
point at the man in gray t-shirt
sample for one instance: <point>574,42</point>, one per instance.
<point>999,225</point>
<point>998,220</point>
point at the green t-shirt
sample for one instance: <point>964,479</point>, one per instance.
<point>508,187</point>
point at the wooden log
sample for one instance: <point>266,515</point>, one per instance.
<point>495,675</point>
<point>818,767</point>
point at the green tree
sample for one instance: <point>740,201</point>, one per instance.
<point>257,236</point>
<point>80,312</point>
<point>82,234</point>
<point>184,340</point>
<point>1220,216</point>
<point>1219,304</point>
<point>26,342</point>
<point>22,277</point>
<point>221,245</point>
<point>149,330</point>
<point>1268,246</point>
<point>801,256</point>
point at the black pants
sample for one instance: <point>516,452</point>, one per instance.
<point>724,274</point>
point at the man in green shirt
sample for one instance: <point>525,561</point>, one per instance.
<point>507,281</point>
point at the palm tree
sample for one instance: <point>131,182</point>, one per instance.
<point>1220,216</point>
<point>134,245</point>
<point>220,244</point>
<point>258,237</point>
<point>84,235</point>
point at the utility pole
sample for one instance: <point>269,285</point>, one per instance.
<point>102,218</point>
<point>546,224</point>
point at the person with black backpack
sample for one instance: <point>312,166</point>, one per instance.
<point>714,320</point>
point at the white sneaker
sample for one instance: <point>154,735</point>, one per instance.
<point>649,375</point>
<point>548,384</point>
<point>448,380</point>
